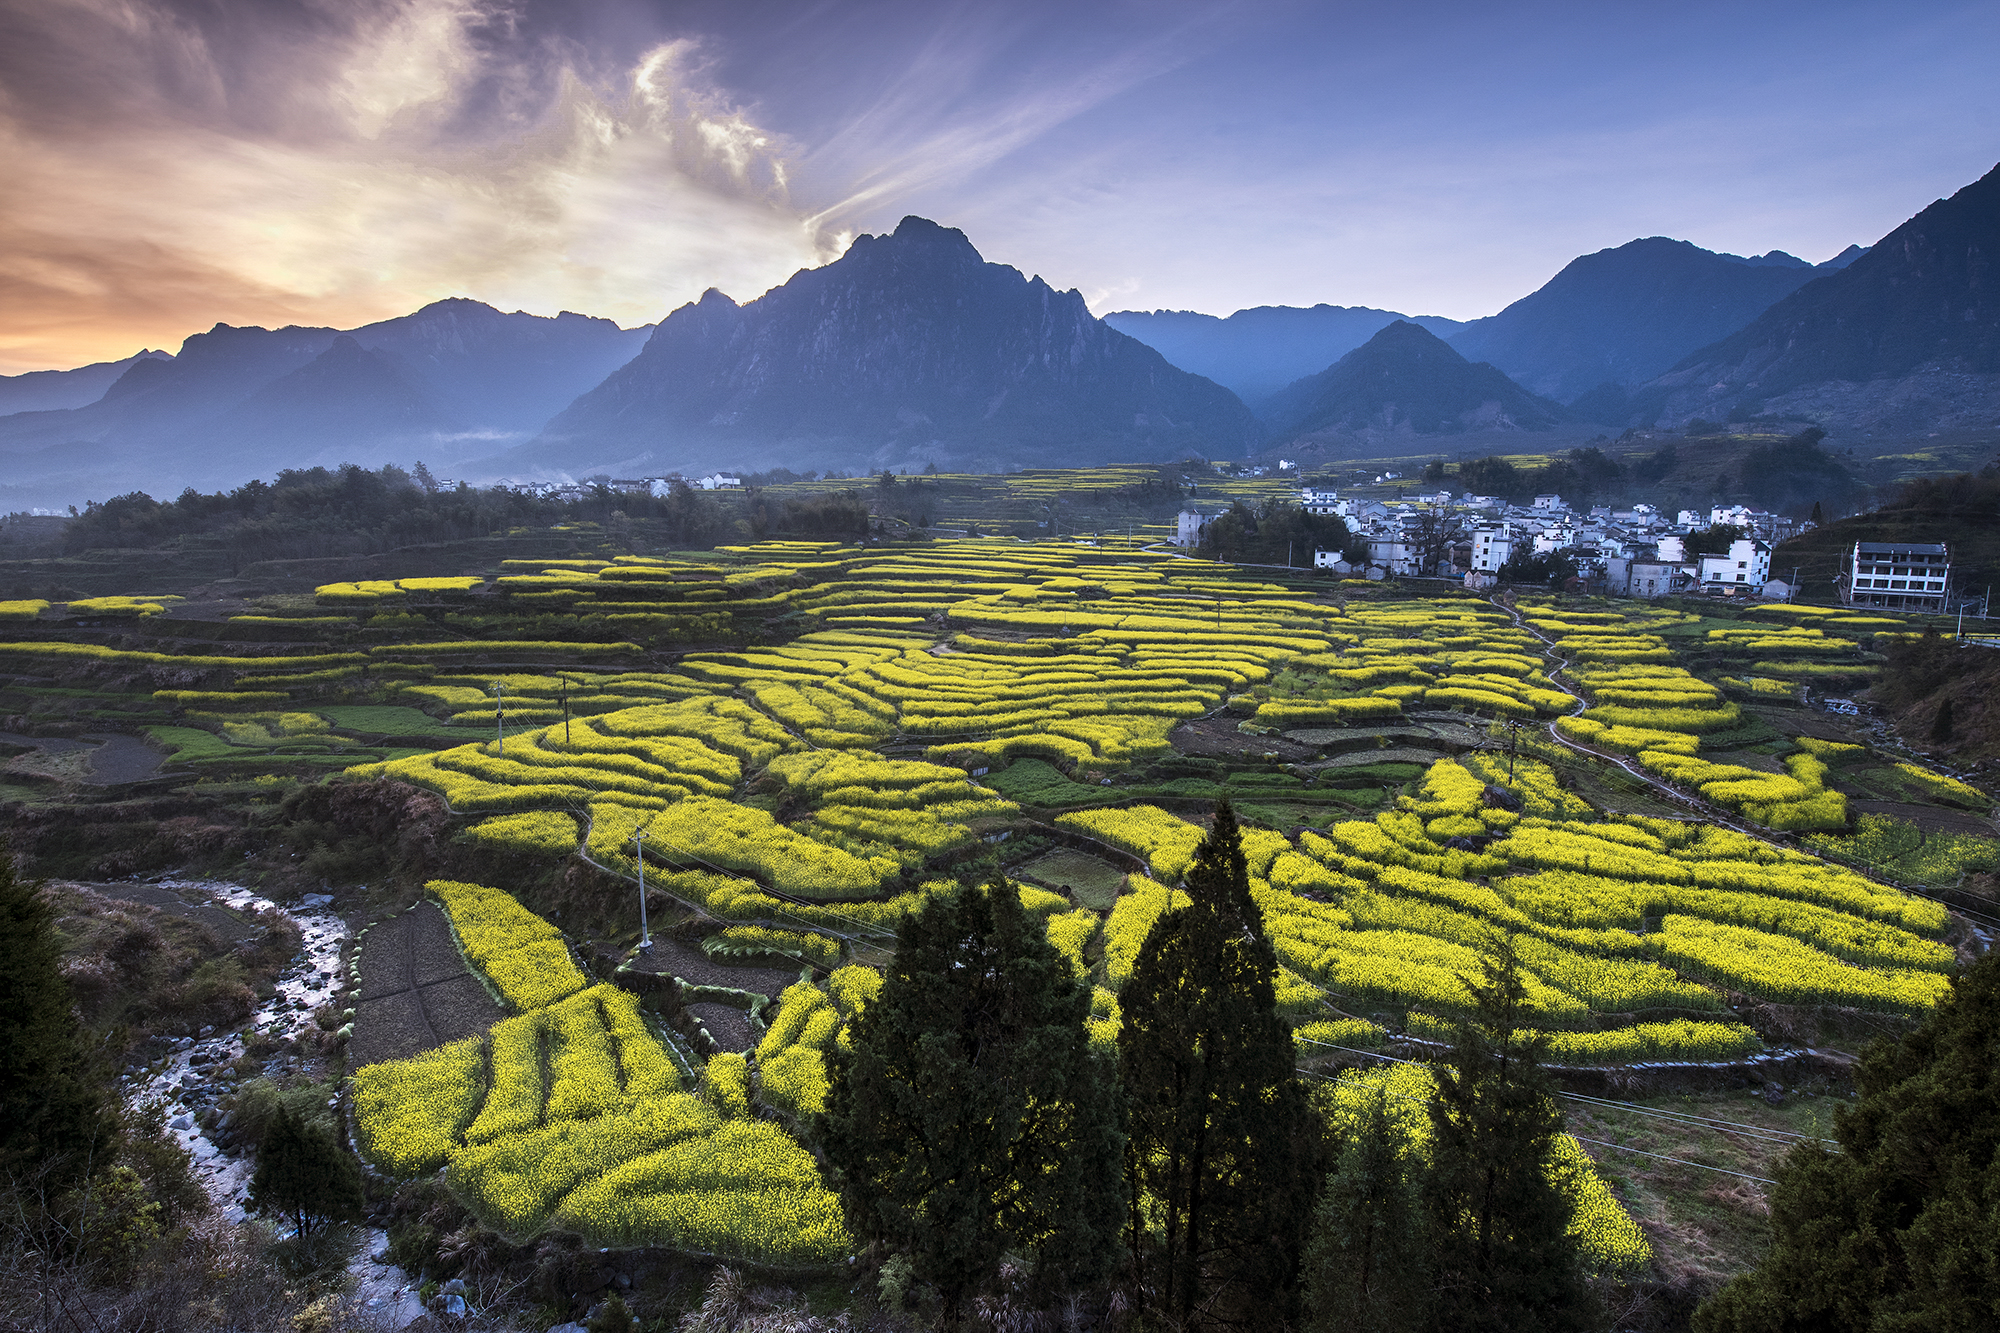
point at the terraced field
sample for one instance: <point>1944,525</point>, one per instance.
<point>1619,786</point>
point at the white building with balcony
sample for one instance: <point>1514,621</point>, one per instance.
<point>1903,576</point>
<point>1491,548</point>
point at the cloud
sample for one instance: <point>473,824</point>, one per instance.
<point>338,164</point>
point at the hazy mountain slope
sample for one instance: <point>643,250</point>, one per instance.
<point>1406,380</point>
<point>1624,315</point>
<point>1257,352</point>
<point>1904,338</point>
<point>910,346</point>
<point>61,390</point>
<point>453,379</point>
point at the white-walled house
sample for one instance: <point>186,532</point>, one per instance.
<point>720,481</point>
<point>1321,502</point>
<point>1745,565</point>
<point>1491,548</point>
<point>1188,527</point>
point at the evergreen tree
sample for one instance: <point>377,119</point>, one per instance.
<point>53,1120</point>
<point>1899,1232</point>
<point>1222,1159</point>
<point>305,1176</point>
<point>1496,1223</point>
<point>1941,726</point>
<point>969,1118</point>
<point>1367,1268</point>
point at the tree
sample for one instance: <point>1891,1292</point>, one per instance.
<point>1221,1160</point>
<point>1896,1230</point>
<point>305,1176</point>
<point>52,1112</point>
<point>970,1118</point>
<point>1367,1267</point>
<point>1497,1223</point>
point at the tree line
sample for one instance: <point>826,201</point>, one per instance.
<point>352,510</point>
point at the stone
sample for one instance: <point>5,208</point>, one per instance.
<point>181,1122</point>
<point>455,1287</point>
<point>453,1306</point>
<point>571,1327</point>
<point>312,900</point>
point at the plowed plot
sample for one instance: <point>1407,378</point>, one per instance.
<point>670,957</point>
<point>1929,818</point>
<point>1218,738</point>
<point>415,990</point>
<point>730,1027</point>
<point>229,925</point>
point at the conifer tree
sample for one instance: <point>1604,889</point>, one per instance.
<point>1897,1232</point>
<point>304,1175</point>
<point>1497,1225</point>
<point>1367,1267</point>
<point>1222,1159</point>
<point>52,1107</point>
<point>969,1117</point>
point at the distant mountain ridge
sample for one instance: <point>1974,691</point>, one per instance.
<point>1624,315</point>
<point>1406,381</point>
<point>61,390</point>
<point>910,347</point>
<point>452,380</point>
<point>1257,352</point>
<point>1904,338</point>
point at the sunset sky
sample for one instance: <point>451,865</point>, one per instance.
<point>168,165</point>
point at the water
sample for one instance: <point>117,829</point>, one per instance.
<point>312,979</point>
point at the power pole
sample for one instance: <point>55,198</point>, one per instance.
<point>565,707</point>
<point>500,717</point>
<point>645,932</point>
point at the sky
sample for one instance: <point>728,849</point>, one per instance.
<point>171,164</point>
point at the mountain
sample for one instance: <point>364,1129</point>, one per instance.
<point>1904,338</point>
<point>455,379</point>
<point>909,347</point>
<point>1259,351</point>
<point>59,390</point>
<point>1622,316</point>
<point>1406,380</point>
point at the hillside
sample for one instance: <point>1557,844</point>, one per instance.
<point>1405,380</point>
<point>1904,339</point>
<point>1257,352</point>
<point>909,349</point>
<point>1624,315</point>
<point>1963,512</point>
<point>440,384</point>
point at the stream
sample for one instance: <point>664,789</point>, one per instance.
<point>194,1076</point>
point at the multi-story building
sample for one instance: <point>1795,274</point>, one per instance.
<point>1491,548</point>
<point>1321,502</point>
<point>1187,528</point>
<point>1745,566</point>
<point>1906,576</point>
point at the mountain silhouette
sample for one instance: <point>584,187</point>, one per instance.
<point>1905,337</point>
<point>1624,315</point>
<point>1259,351</point>
<point>909,347</point>
<point>1406,380</point>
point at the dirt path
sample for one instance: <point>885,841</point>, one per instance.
<point>416,992</point>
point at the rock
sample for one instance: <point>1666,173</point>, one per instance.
<point>181,1122</point>
<point>453,1306</point>
<point>455,1287</point>
<point>595,1281</point>
<point>571,1327</point>
<point>312,900</point>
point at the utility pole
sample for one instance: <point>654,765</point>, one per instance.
<point>500,717</point>
<point>645,932</point>
<point>564,691</point>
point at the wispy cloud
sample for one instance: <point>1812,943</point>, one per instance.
<point>344,169</point>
